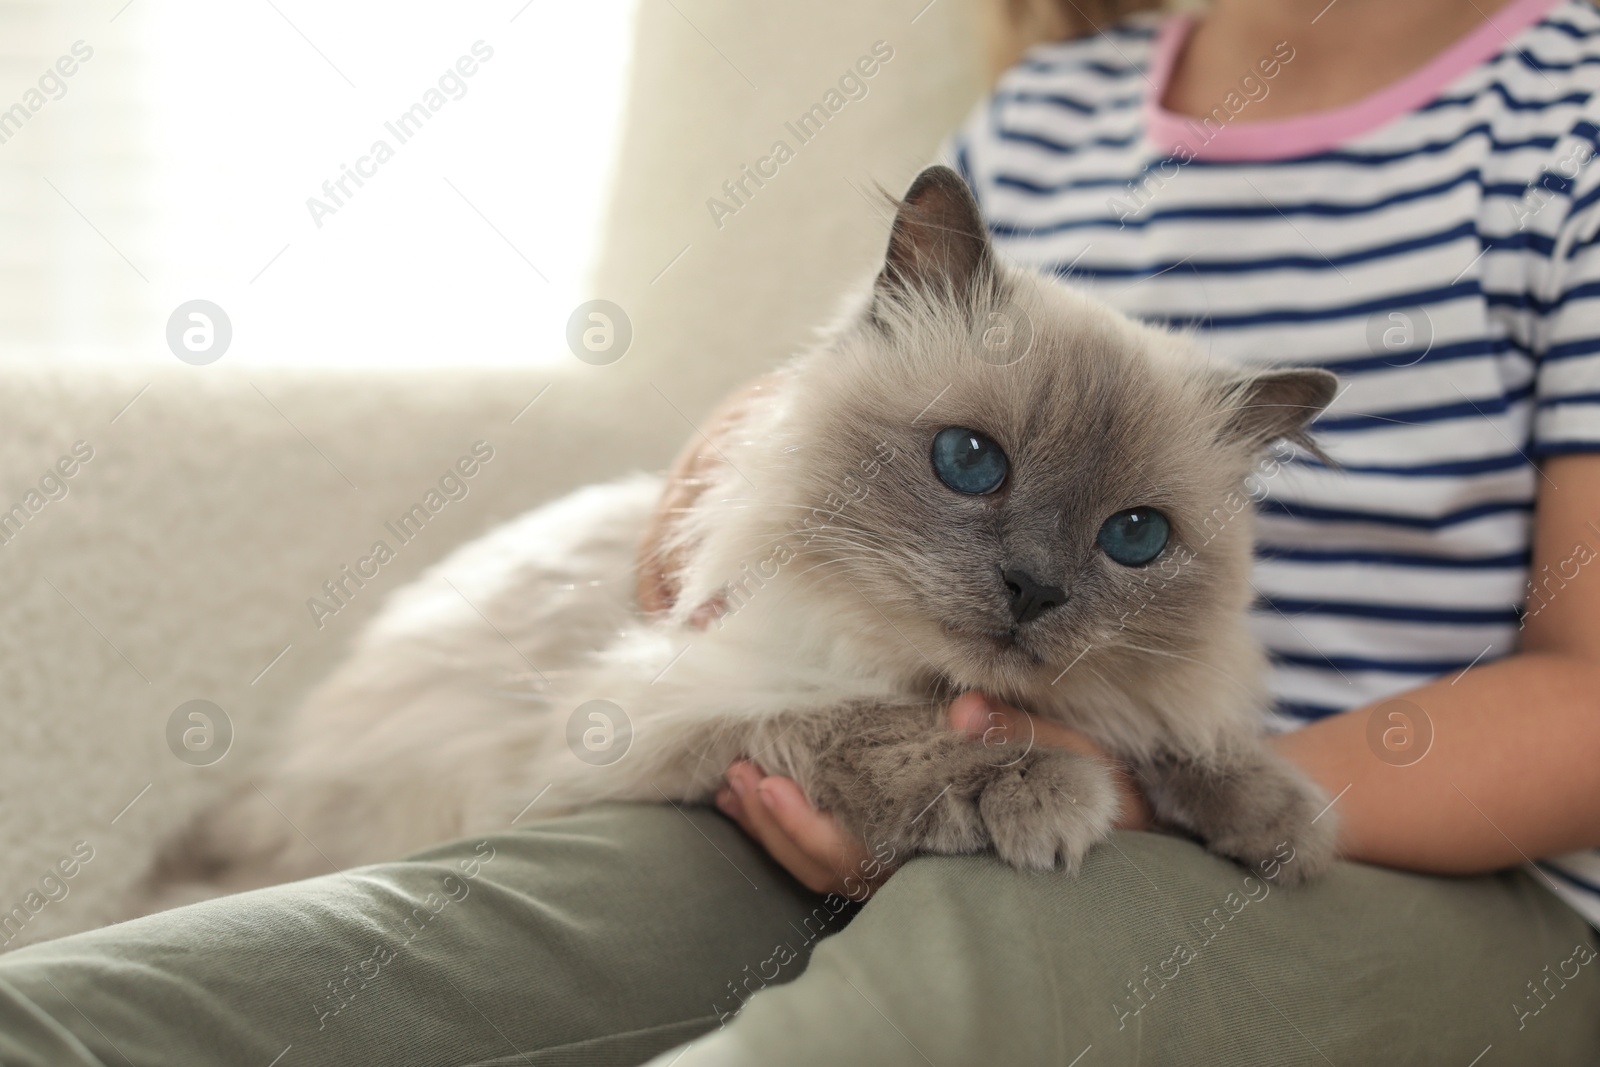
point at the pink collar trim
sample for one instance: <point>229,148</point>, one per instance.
<point>1303,135</point>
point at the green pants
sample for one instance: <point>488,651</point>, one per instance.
<point>626,932</point>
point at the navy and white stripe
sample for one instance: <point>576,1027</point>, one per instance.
<point>1411,562</point>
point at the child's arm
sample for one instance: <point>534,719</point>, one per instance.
<point>1514,769</point>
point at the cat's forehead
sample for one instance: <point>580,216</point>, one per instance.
<point>1088,383</point>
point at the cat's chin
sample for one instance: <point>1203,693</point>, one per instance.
<point>1000,651</point>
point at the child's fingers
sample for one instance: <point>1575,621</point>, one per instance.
<point>1009,731</point>
<point>819,835</point>
<point>656,567</point>
<point>993,724</point>
<point>758,821</point>
<point>731,806</point>
<point>970,713</point>
<point>998,725</point>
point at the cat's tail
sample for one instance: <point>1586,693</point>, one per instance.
<point>216,854</point>
<point>181,873</point>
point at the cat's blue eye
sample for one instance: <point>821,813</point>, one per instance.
<point>967,461</point>
<point>1134,537</point>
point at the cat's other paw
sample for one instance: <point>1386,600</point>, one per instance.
<point>1046,810</point>
<point>1288,832</point>
<point>1253,807</point>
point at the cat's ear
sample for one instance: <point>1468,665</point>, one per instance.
<point>938,244</point>
<point>1279,404</point>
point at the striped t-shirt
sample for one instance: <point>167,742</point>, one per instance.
<point>1434,244</point>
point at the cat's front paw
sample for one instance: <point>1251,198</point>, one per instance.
<point>1248,804</point>
<point>1044,811</point>
<point>1290,834</point>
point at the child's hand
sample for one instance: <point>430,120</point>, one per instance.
<point>657,567</point>
<point>822,856</point>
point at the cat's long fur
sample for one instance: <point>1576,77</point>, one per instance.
<point>843,631</point>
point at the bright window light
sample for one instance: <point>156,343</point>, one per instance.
<point>360,184</point>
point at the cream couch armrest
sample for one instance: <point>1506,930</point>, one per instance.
<point>203,508</point>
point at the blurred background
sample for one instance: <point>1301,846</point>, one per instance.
<point>178,160</point>
<point>356,339</point>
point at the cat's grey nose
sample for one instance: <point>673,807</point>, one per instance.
<point>1029,597</point>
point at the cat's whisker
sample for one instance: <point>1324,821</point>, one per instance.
<point>829,563</point>
<point>826,544</point>
<point>1189,659</point>
<point>850,531</point>
<point>1156,651</point>
<point>805,536</point>
<point>873,553</point>
<point>754,547</point>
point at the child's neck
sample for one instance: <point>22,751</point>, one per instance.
<point>1355,47</point>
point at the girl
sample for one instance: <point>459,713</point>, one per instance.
<point>1402,194</point>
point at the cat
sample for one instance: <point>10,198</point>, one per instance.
<point>980,479</point>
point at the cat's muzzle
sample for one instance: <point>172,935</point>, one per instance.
<point>1029,597</point>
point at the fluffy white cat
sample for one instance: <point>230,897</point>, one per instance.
<point>901,517</point>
